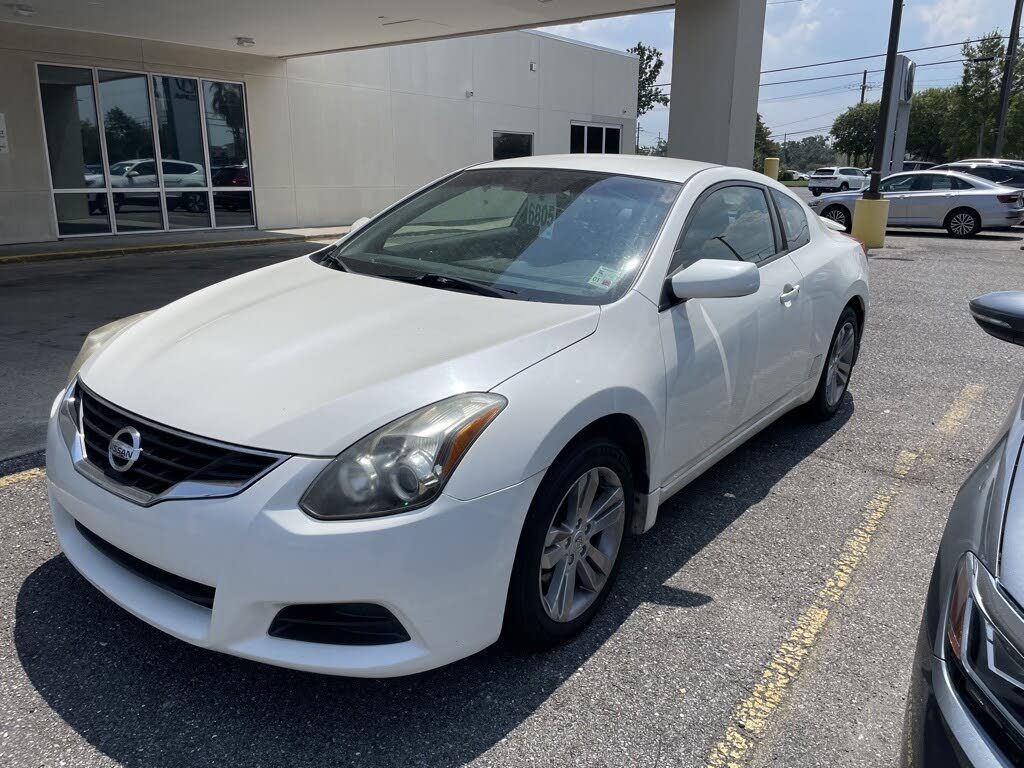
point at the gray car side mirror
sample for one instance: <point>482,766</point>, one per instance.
<point>1001,314</point>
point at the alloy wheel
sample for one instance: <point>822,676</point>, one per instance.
<point>838,215</point>
<point>962,224</point>
<point>582,544</point>
<point>840,364</point>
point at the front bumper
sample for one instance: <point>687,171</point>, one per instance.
<point>442,570</point>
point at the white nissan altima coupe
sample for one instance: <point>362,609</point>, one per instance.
<point>376,459</point>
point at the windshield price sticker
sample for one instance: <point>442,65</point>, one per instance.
<point>540,213</point>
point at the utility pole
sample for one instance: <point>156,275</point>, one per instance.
<point>863,86</point>
<point>1004,96</point>
<point>883,117</point>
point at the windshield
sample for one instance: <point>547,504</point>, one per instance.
<point>523,233</point>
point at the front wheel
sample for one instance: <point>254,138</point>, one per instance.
<point>569,549</point>
<point>835,377</point>
<point>963,222</point>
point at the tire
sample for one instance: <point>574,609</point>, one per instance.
<point>827,401</point>
<point>531,610</point>
<point>844,187</point>
<point>963,222</point>
<point>839,214</point>
<point>816,192</point>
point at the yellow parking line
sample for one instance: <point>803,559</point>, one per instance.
<point>17,477</point>
<point>751,717</point>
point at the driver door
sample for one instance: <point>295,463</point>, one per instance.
<point>728,360</point>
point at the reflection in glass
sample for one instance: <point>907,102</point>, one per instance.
<point>233,209</point>
<point>72,133</point>
<point>137,212</point>
<point>180,130</point>
<point>127,124</point>
<point>225,127</point>
<point>188,210</point>
<point>81,213</point>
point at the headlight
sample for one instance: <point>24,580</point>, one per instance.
<point>99,338</point>
<point>403,465</point>
<point>985,640</point>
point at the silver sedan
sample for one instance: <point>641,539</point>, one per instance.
<point>962,205</point>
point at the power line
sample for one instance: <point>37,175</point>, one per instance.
<point>874,56</point>
<point>806,130</point>
<point>805,119</point>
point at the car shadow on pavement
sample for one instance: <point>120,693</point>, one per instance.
<point>144,698</point>
<point>941,234</point>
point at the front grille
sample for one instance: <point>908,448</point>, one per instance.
<point>167,458</point>
<point>193,591</point>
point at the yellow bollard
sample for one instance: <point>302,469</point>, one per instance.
<point>771,167</point>
<point>869,220</point>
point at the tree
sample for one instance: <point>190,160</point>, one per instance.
<point>854,131</point>
<point>763,144</point>
<point>976,98</point>
<point>930,114</point>
<point>660,149</point>
<point>807,153</point>
<point>648,94</point>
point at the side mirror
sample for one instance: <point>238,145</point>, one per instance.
<point>835,226</point>
<point>1001,314</point>
<point>132,174</point>
<point>715,279</point>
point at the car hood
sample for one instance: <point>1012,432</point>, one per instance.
<point>300,358</point>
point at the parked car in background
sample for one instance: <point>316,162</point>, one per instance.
<point>917,165</point>
<point>966,700</point>
<point>1002,161</point>
<point>142,174</point>
<point>836,180</point>
<point>477,396</point>
<point>997,173</point>
<point>963,205</point>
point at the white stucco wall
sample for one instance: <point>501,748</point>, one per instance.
<point>337,136</point>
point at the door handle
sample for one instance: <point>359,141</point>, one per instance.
<point>789,293</point>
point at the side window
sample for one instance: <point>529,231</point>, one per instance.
<point>849,172</point>
<point>145,169</point>
<point>794,220</point>
<point>923,183</point>
<point>731,223</point>
<point>942,182</point>
<point>896,184</point>
<point>962,184</point>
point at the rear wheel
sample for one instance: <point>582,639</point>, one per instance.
<point>840,214</point>
<point>835,376</point>
<point>569,549</point>
<point>963,222</point>
<point>844,187</point>
<point>816,192</point>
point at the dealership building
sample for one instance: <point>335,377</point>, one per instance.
<point>108,134</point>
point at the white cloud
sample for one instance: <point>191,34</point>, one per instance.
<point>787,34</point>
<point>946,20</point>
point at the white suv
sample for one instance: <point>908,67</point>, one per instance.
<point>836,180</point>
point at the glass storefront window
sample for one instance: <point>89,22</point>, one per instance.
<point>145,152</point>
<point>81,213</point>
<point>180,128</point>
<point>127,127</point>
<point>225,126</point>
<point>72,132</point>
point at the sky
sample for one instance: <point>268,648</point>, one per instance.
<point>809,31</point>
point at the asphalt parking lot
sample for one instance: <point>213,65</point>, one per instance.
<point>768,619</point>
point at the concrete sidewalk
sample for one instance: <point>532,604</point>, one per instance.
<point>126,245</point>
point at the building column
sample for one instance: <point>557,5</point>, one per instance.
<point>716,61</point>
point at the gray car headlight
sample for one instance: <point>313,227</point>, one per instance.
<point>985,639</point>
<point>403,465</point>
<point>99,338</point>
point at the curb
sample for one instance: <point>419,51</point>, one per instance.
<point>22,258</point>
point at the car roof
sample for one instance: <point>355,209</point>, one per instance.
<point>956,174</point>
<point>662,168</point>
